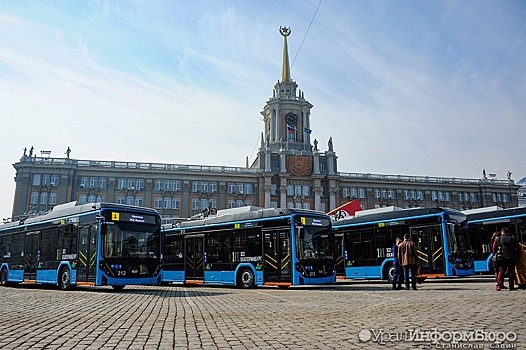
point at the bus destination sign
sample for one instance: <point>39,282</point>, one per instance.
<point>307,221</point>
<point>129,217</point>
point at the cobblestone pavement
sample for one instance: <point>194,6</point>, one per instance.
<point>343,316</point>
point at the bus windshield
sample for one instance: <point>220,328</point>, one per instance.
<point>456,239</point>
<point>314,243</point>
<point>130,240</point>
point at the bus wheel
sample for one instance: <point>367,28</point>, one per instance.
<point>3,277</point>
<point>389,273</point>
<point>246,278</point>
<point>118,288</point>
<point>64,279</point>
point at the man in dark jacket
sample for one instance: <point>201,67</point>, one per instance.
<point>398,272</point>
<point>506,248</point>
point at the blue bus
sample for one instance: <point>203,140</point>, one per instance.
<point>483,222</point>
<point>250,246</point>
<point>364,243</point>
<point>92,244</point>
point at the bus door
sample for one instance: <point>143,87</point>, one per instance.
<point>31,255</point>
<point>277,262</point>
<point>339,259</point>
<point>430,246</point>
<point>194,254</point>
<point>87,259</point>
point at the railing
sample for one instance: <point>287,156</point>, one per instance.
<point>428,179</point>
<point>135,165</point>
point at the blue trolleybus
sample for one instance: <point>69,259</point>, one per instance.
<point>93,244</point>
<point>250,246</point>
<point>364,243</point>
<point>481,225</point>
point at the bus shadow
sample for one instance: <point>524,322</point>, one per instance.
<point>161,291</point>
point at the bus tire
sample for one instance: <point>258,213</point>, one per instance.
<point>3,277</point>
<point>118,288</point>
<point>389,272</point>
<point>64,279</point>
<point>246,278</point>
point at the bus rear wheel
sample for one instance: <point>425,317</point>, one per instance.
<point>246,279</point>
<point>64,279</point>
<point>389,273</point>
<point>3,277</point>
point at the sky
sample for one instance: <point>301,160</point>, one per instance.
<point>432,88</point>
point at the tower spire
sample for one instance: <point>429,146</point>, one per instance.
<point>285,70</point>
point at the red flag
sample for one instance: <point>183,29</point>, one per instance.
<point>347,209</point>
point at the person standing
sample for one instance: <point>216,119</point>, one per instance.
<point>398,273</point>
<point>407,256</point>
<point>506,248</point>
<point>494,261</point>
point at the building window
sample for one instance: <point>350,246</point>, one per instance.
<point>473,197</point>
<point>273,189</point>
<point>231,204</point>
<point>131,184</point>
<point>346,192</point>
<point>138,201</point>
<point>93,182</point>
<point>43,198</point>
<point>83,199</point>
<point>239,188</point>
<point>84,182</point>
<point>158,185</point>
<point>354,192</point>
<point>121,200</point>
<point>100,198</point>
<point>195,186</point>
<point>376,192</point>
<point>46,179</point>
<point>361,192</point>
<point>175,203</point>
<point>34,198</point>
<point>103,183</point>
<point>239,203</point>
<point>322,166</point>
<point>140,184</point>
<point>52,198</point>
<point>420,195</point>
<point>177,185</point>
<point>130,200</point>
<point>36,179</point>
<point>195,204</point>
<point>91,198</point>
<point>121,184</point>
<point>213,203</point>
<point>248,188</point>
<point>231,187</point>
<point>54,180</point>
<point>290,190</point>
<point>158,202</point>
<point>391,194</point>
<point>306,206</point>
<point>297,190</point>
<point>204,186</point>
<point>305,190</point>
<point>213,187</point>
<point>167,202</point>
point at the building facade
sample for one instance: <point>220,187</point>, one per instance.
<point>290,170</point>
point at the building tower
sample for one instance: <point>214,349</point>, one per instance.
<point>290,164</point>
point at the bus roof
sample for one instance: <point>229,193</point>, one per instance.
<point>398,214</point>
<point>248,213</point>
<point>501,213</point>
<point>71,209</point>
